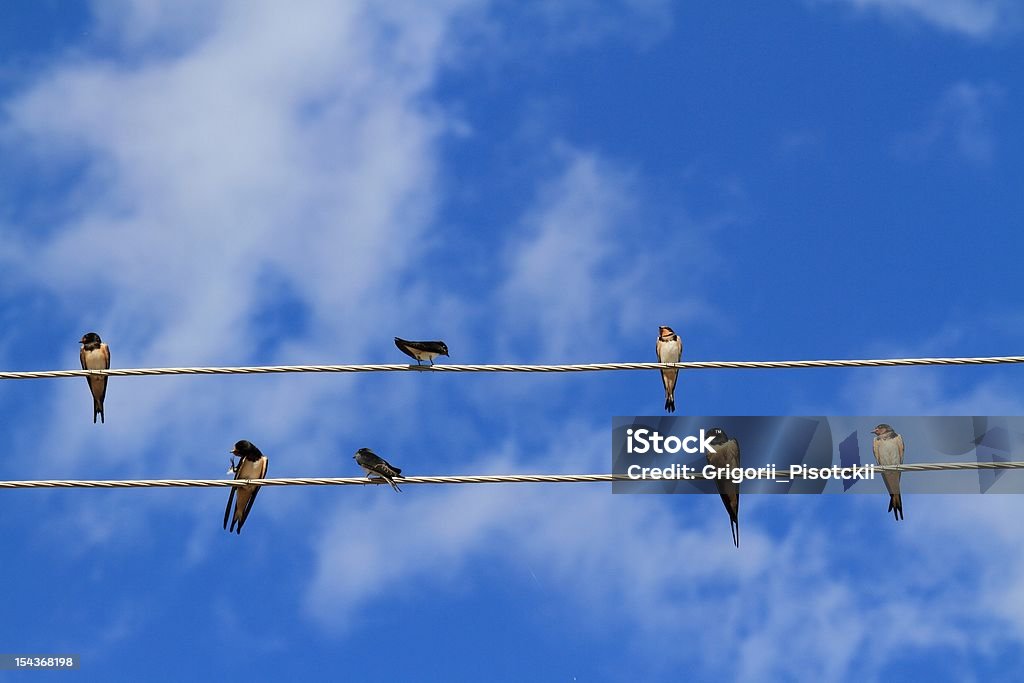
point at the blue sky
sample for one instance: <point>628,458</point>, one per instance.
<point>244,183</point>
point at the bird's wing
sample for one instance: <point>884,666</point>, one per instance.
<point>81,357</point>
<point>255,491</point>
<point>101,384</point>
<point>901,446</point>
<point>874,449</point>
<point>403,346</point>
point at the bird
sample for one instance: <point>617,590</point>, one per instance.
<point>888,448</point>
<point>422,350</point>
<point>374,464</point>
<point>727,454</point>
<point>251,465</point>
<point>95,355</point>
<point>670,350</point>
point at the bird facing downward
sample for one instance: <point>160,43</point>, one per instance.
<point>670,350</point>
<point>95,355</point>
<point>374,464</point>
<point>252,465</point>
<point>727,454</point>
<point>422,350</point>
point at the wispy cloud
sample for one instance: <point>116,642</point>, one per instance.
<point>662,567</point>
<point>960,124</point>
<point>575,285</point>
<point>933,390</point>
<point>977,19</point>
<point>258,169</point>
<point>259,191</point>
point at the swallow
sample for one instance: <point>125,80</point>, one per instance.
<point>727,454</point>
<point>670,350</point>
<point>422,350</point>
<point>95,355</point>
<point>252,464</point>
<point>888,448</point>
<point>374,464</point>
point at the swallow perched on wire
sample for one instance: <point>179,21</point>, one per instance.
<point>422,350</point>
<point>727,454</point>
<point>888,448</point>
<point>252,464</point>
<point>670,350</point>
<point>374,464</point>
<point>95,355</point>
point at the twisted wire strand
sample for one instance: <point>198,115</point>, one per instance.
<point>454,479</point>
<point>576,367</point>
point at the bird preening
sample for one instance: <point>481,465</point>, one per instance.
<point>670,349</point>
<point>252,464</point>
<point>888,448</point>
<point>95,355</point>
<point>373,464</point>
<point>422,350</point>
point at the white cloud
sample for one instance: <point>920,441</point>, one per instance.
<point>959,123</point>
<point>978,19</point>
<point>283,153</point>
<point>978,390</point>
<point>267,159</point>
<point>299,151</point>
<point>662,569</point>
<point>586,21</point>
<point>574,286</point>
<point>805,598</point>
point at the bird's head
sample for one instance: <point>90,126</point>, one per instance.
<point>90,338</point>
<point>246,449</point>
<point>444,349</point>
<point>882,429</point>
<point>665,331</point>
<point>718,436</point>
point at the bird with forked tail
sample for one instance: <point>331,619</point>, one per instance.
<point>888,448</point>
<point>727,454</point>
<point>95,355</point>
<point>374,464</point>
<point>252,465</point>
<point>670,350</point>
<point>422,350</point>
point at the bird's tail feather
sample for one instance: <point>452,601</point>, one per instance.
<point>896,506</point>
